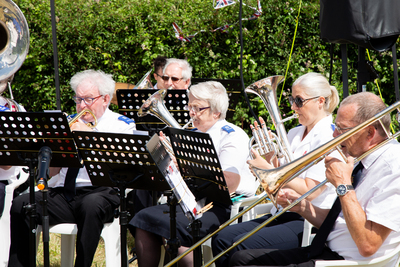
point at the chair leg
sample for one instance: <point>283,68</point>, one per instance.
<point>67,250</point>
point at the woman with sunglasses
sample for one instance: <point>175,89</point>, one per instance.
<point>314,100</point>
<point>208,104</point>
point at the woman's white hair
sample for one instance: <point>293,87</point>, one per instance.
<point>315,84</point>
<point>214,93</point>
<point>104,82</point>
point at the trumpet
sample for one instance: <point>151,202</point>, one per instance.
<point>286,173</point>
<point>80,114</point>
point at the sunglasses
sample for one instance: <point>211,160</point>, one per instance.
<point>173,79</point>
<point>299,101</point>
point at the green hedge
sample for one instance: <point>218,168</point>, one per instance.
<point>122,37</point>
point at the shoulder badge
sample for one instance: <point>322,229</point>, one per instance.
<point>228,129</point>
<point>4,108</point>
<point>126,119</point>
<point>70,117</point>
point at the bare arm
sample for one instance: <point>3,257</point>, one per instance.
<point>4,167</point>
<point>232,181</point>
<point>367,235</point>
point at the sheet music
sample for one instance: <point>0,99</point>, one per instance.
<point>185,197</point>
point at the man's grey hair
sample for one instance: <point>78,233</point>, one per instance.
<point>214,93</point>
<point>183,64</point>
<point>368,104</point>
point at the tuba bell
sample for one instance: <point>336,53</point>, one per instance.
<point>279,144</point>
<point>14,46</point>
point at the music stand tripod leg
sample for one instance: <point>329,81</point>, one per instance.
<point>173,242</point>
<point>123,221</point>
<point>197,257</point>
<point>30,210</point>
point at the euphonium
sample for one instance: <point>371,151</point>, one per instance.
<point>279,144</point>
<point>80,114</point>
<point>14,46</point>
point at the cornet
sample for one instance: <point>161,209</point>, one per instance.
<point>80,114</point>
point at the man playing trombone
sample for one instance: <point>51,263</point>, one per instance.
<point>365,226</point>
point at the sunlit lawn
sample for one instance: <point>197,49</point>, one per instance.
<point>55,252</point>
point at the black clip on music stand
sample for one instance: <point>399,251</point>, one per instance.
<point>198,161</point>
<point>130,101</point>
<point>23,135</point>
<point>119,160</point>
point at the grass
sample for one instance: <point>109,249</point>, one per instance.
<point>55,252</point>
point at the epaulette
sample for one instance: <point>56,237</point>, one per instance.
<point>126,119</point>
<point>4,108</point>
<point>70,117</point>
<point>228,129</point>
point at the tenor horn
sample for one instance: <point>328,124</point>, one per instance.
<point>155,106</point>
<point>289,171</point>
<point>279,144</point>
<point>14,46</point>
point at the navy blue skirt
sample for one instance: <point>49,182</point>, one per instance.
<point>155,220</point>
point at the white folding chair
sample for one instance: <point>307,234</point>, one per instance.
<point>389,260</point>
<point>244,203</point>
<point>68,231</point>
<point>5,218</point>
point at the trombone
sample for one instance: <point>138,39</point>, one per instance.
<point>287,172</point>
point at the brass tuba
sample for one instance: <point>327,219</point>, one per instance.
<point>14,46</point>
<point>279,144</point>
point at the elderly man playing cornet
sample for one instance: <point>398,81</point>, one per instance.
<point>361,224</point>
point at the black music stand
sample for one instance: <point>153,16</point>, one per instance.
<point>130,101</point>
<point>119,160</point>
<point>200,167</point>
<point>233,88</point>
<point>23,134</point>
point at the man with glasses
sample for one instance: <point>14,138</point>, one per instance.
<point>177,74</point>
<point>361,224</point>
<point>71,196</point>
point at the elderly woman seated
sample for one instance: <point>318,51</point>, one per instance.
<point>208,104</point>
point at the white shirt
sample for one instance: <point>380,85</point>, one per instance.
<point>110,122</point>
<point>10,174</point>
<point>378,193</point>
<point>231,144</point>
<point>321,133</point>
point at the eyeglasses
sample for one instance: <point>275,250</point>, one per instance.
<point>299,101</point>
<point>158,75</point>
<point>173,79</point>
<point>195,109</point>
<point>88,100</point>
<point>342,130</point>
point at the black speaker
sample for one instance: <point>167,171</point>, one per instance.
<point>372,24</point>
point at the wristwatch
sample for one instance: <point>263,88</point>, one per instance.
<point>342,189</point>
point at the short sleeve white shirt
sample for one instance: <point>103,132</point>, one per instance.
<point>231,144</point>
<point>378,193</point>
<point>321,133</point>
<point>110,122</point>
